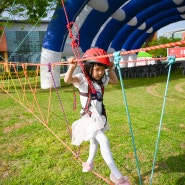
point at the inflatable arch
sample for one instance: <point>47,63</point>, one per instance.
<point>111,25</point>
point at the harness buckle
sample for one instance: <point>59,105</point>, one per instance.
<point>98,96</point>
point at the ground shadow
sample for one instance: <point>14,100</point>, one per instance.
<point>132,82</point>
<point>170,165</point>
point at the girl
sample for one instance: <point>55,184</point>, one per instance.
<point>93,123</point>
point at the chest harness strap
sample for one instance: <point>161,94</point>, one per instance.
<point>93,96</point>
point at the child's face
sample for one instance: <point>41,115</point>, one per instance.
<point>98,71</point>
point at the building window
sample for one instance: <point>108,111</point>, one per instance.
<point>24,46</point>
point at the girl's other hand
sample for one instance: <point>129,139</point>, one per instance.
<point>111,65</point>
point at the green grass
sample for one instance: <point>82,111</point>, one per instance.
<point>31,154</point>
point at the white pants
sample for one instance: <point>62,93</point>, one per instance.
<point>101,139</point>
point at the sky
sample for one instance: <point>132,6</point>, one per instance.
<point>172,27</point>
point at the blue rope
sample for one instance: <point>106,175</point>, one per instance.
<point>171,60</point>
<point>117,58</point>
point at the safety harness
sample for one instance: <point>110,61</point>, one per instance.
<point>93,96</point>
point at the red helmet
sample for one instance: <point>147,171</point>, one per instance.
<point>95,52</point>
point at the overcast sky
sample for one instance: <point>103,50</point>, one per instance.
<point>172,27</point>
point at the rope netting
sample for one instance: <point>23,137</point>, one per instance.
<point>21,81</point>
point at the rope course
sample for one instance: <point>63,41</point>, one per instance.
<point>23,88</point>
<point>19,86</point>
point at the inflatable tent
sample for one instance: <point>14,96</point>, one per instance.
<point>111,25</point>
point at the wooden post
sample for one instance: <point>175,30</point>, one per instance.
<point>7,68</point>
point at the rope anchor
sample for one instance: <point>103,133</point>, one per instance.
<point>49,67</point>
<point>171,59</point>
<point>117,58</point>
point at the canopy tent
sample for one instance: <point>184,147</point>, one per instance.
<point>144,54</point>
<point>144,57</point>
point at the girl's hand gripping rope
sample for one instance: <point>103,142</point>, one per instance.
<point>117,58</point>
<point>72,62</point>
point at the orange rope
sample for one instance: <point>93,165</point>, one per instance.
<point>110,55</point>
<point>33,92</point>
<point>36,82</point>
<point>14,83</point>
<point>141,49</point>
<point>41,121</point>
<point>56,136</point>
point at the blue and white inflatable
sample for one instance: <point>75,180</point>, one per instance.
<point>108,24</point>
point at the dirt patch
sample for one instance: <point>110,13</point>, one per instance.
<point>5,170</point>
<point>152,90</point>
<point>14,127</point>
<point>182,145</point>
<point>179,87</point>
<point>182,125</point>
<point>9,166</point>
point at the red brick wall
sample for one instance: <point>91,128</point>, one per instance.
<point>183,35</point>
<point>3,44</point>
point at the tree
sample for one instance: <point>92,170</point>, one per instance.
<point>30,10</point>
<point>161,40</point>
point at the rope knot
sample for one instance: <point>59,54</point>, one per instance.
<point>117,58</point>
<point>74,44</point>
<point>69,29</point>
<point>49,67</point>
<point>171,60</point>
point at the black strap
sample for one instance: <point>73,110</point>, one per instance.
<point>90,96</point>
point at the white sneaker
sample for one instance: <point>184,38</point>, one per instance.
<point>87,166</point>
<point>121,181</point>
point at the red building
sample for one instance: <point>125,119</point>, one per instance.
<point>3,45</point>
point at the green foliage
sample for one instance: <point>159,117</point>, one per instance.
<point>161,40</point>
<point>30,11</point>
<point>1,32</point>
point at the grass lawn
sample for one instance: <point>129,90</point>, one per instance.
<point>31,135</point>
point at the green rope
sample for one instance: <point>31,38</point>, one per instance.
<point>117,58</point>
<point>171,60</point>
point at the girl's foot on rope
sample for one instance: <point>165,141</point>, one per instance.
<point>87,166</point>
<point>120,181</point>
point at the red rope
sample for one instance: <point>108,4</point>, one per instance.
<point>173,44</point>
<point>75,48</point>
<point>75,41</point>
